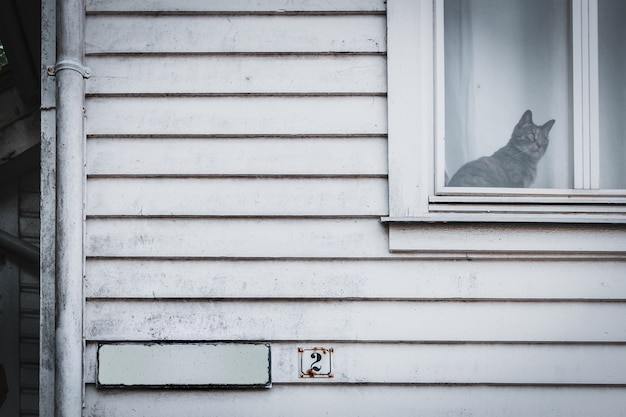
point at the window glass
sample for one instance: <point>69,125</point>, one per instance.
<point>501,59</point>
<point>612,79</point>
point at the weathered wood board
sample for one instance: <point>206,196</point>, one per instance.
<point>389,321</point>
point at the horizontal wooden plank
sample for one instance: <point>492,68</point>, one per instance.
<point>20,138</point>
<point>29,202</point>
<point>18,125</point>
<point>497,238</point>
<point>234,5</point>
<point>228,34</point>
<point>30,182</point>
<point>29,354</point>
<point>214,237</point>
<point>29,375</point>
<point>136,320</point>
<point>377,363</point>
<point>236,115</point>
<point>383,279</point>
<point>237,156</point>
<point>33,240</point>
<point>29,402</point>
<point>237,196</point>
<point>363,400</point>
<point>29,226</point>
<point>337,238</point>
<point>29,278</point>
<point>29,326</point>
<point>29,301</point>
<point>236,74</point>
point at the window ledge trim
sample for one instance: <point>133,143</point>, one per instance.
<point>491,218</point>
<point>519,196</point>
<point>503,238</point>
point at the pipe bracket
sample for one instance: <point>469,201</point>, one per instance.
<point>71,65</point>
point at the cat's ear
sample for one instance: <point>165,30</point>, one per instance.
<point>546,127</point>
<point>527,118</point>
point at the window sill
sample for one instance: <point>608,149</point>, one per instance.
<point>467,235</point>
<point>546,209</point>
<point>486,217</point>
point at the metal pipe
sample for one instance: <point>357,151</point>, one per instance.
<point>20,248</point>
<point>69,208</point>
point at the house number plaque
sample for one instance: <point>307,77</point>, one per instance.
<point>316,362</point>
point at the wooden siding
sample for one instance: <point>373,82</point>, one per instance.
<point>19,295</point>
<point>237,115</point>
<point>547,240</point>
<point>236,176</point>
<point>365,401</point>
<point>389,279</point>
<point>237,156</point>
<point>430,363</point>
<point>251,6</point>
<point>29,296</point>
<point>237,197</point>
<point>242,74</point>
<point>163,33</point>
<point>365,320</point>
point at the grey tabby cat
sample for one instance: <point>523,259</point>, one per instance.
<point>514,165</point>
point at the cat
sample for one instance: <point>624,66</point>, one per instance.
<point>514,165</point>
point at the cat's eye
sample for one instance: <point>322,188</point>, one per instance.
<point>530,137</point>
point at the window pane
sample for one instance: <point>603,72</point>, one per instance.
<point>502,58</point>
<point>612,63</point>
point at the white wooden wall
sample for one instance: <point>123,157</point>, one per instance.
<point>236,175</point>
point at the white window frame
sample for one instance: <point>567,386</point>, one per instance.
<point>561,224</point>
<point>415,115</point>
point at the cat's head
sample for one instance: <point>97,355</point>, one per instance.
<point>530,139</point>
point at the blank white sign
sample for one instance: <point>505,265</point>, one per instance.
<point>184,365</point>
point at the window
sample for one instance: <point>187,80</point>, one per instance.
<point>501,58</point>
<point>462,73</point>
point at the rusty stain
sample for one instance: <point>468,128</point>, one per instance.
<point>313,371</point>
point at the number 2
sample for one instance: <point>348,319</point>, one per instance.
<point>318,358</point>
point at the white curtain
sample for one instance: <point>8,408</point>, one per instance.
<point>612,57</point>
<point>501,58</point>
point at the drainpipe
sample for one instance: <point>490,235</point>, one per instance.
<point>70,149</point>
